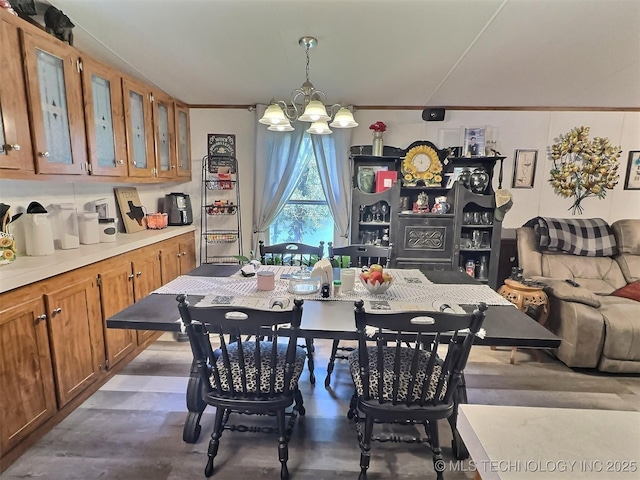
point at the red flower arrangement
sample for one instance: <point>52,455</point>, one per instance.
<point>378,127</point>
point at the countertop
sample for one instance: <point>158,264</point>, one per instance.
<point>25,270</point>
<point>519,443</point>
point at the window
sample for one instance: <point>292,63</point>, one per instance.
<point>306,217</point>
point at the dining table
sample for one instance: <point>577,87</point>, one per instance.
<point>333,318</point>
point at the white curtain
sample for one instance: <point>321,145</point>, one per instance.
<point>276,174</point>
<point>334,166</point>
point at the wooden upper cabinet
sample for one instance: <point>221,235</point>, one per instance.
<point>164,134</point>
<point>26,376</point>
<point>54,90</point>
<point>15,139</point>
<point>139,128</point>
<point>183,140</point>
<point>104,119</point>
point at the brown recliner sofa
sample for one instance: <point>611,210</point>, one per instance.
<point>598,330</point>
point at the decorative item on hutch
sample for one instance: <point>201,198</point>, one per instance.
<point>378,129</point>
<point>583,168</point>
<point>422,164</point>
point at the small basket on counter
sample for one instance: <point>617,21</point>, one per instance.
<point>157,221</point>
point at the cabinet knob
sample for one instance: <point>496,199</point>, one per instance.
<point>172,166</point>
<point>184,253</point>
<point>179,254</point>
<point>43,154</point>
<point>41,317</point>
<point>57,311</point>
<point>120,162</point>
<point>131,277</point>
<point>15,147</point>
<point>138,274</point>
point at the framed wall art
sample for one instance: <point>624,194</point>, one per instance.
<point>473,141</point>
<point>632,180</point>
<point>524,168</point>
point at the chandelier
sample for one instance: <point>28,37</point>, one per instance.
<point>307,105</point>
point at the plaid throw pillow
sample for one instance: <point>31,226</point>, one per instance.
<point>588,237</point>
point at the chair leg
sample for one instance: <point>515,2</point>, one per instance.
<point>299,403</point>
<point>283,447</point>
<point>434,438</point>
<point>365,447</point>
<point>353,407</point>
<point>215,440</point>
<point>310,351</point>
<point>332,361</point>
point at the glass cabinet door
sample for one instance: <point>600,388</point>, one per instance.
<point>139,128</point>
<point>183,141</point>
<point>104,119</point>
<point>164,130</point>
<point>58,124</point>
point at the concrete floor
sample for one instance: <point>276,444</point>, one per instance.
<point>132,427</point>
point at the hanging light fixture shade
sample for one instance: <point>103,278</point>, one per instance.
<point>314,112</point>
<point>308,105</point>
<point>344,119</point>
<point>319,128</point>
<point>273,115</point>
<point>282,127</point>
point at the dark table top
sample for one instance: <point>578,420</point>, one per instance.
<point>504,325</point>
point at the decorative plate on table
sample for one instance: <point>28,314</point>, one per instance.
<point>422,163</point>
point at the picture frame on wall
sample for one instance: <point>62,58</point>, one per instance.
<point>632,179</point>
<point>524,168</point>
<point>473,141</point>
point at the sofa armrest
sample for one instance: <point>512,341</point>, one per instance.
<point>563,291</point>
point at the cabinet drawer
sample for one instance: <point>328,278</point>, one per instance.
<point>424,265</point>
<point>426,237</point>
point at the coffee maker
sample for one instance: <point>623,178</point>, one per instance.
<point>178,207</point>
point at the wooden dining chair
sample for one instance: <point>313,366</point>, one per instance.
<point>359,255</point>
<point>293,253</point>
<point>400,384</point>
<point>290,253</point>
<point>248,377</point>
<point>353,256</point>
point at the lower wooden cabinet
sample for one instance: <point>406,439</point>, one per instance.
<point>116,294</point>
<point>146,279</point>
<point>75,332</point>
<point>177,258</point>
<point>55,349</point>
<point>27,397</point>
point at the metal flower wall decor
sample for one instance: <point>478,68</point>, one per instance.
<point>583,168</point>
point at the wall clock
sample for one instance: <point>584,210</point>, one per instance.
<point>422,163</point>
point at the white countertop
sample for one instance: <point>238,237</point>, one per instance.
<point>520,443</point>
<point>25,270</point>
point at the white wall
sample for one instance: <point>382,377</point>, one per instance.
<point>512,130</point>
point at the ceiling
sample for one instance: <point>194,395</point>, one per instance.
<point>451,53</point>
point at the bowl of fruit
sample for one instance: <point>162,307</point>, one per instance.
<point>375,279</point>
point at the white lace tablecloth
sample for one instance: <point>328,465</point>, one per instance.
<point>409,286</point>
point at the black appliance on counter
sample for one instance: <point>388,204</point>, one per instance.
<point>177,206</point>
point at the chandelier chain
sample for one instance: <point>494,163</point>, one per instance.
<point>306,50</point>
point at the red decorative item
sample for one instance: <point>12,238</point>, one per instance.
<point>385,180</point>
<point>378,127</point>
